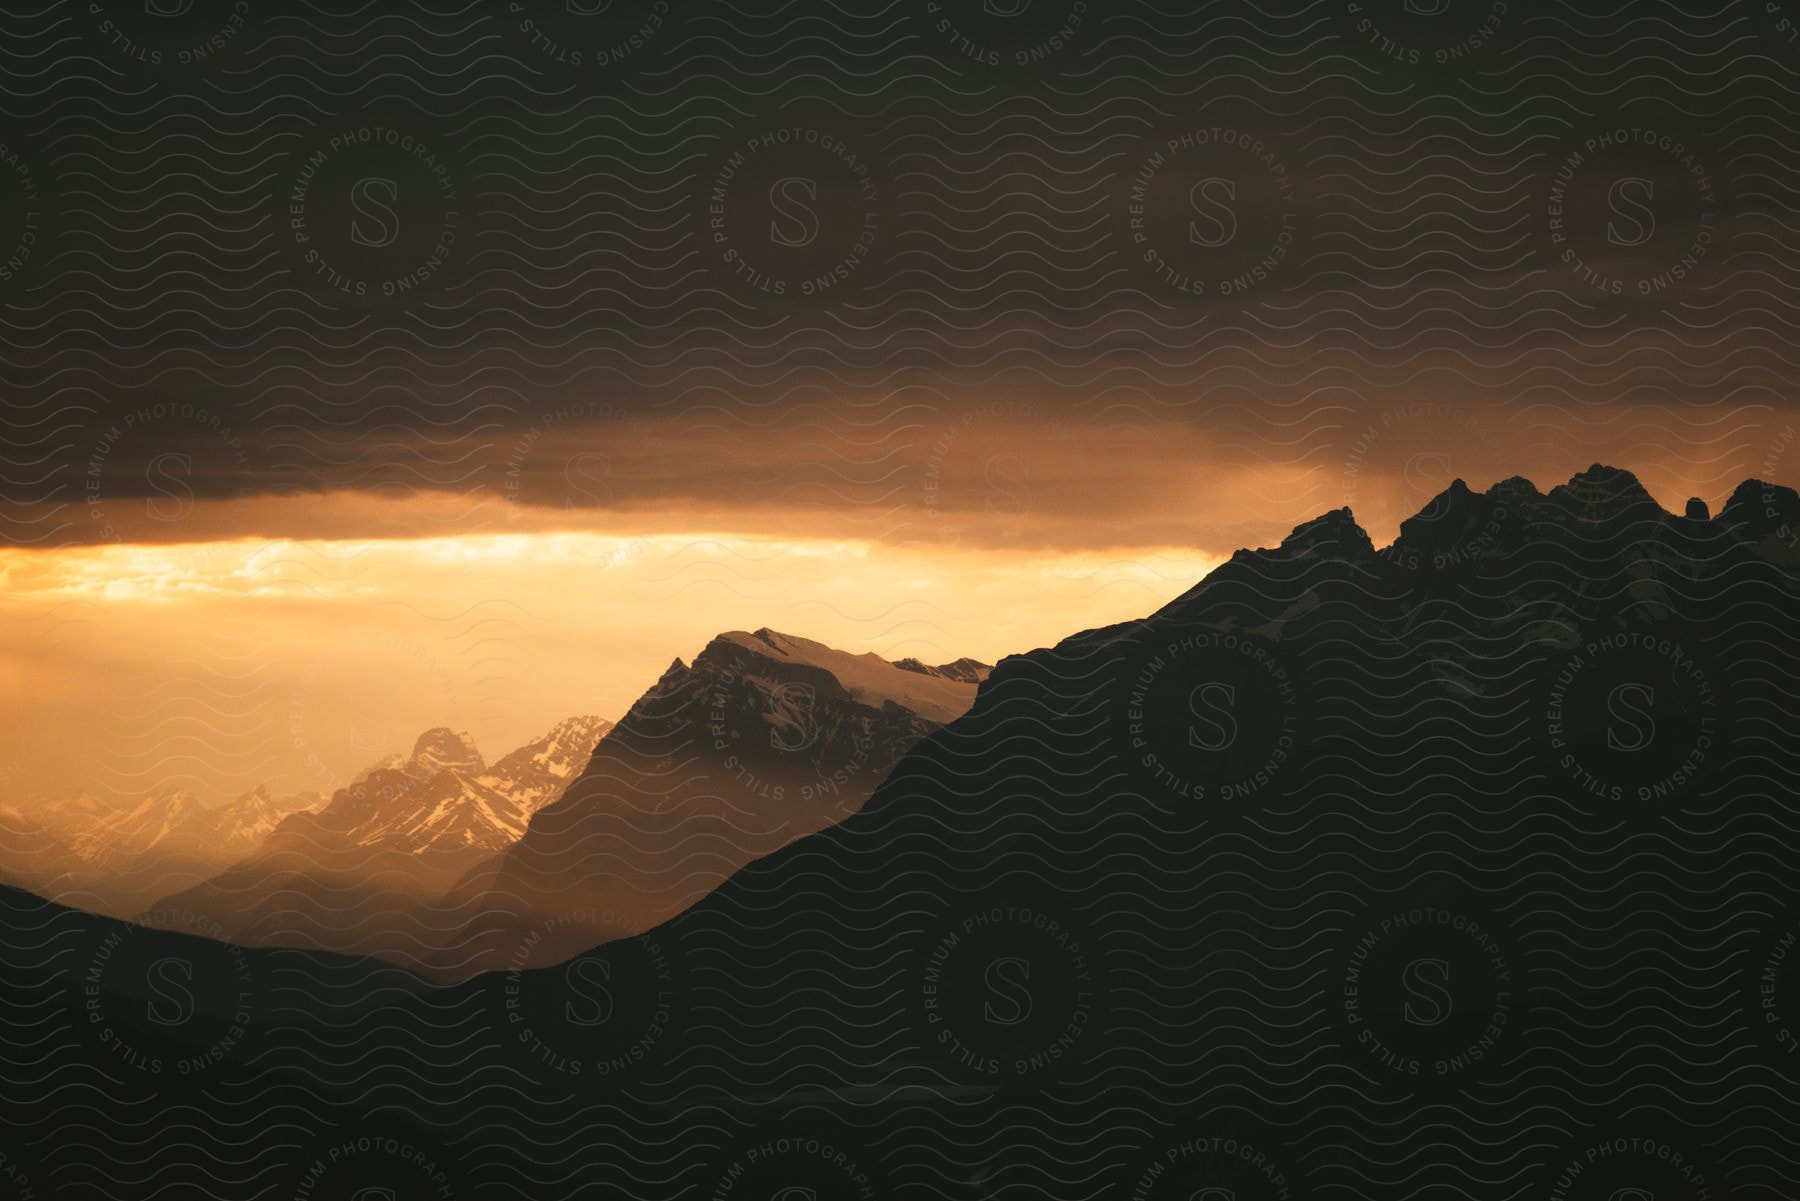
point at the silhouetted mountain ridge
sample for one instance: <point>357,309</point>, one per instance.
<point>1457,860</point>
<point>1220,799</point>
<point>764,738</point>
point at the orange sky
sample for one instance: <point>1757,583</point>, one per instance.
<point>222,644</point>
<point>224,665</point>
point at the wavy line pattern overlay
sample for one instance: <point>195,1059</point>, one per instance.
<point>1460,866</point>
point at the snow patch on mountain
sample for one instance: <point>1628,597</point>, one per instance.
<point>868,678</point>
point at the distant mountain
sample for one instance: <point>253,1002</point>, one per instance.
<point>966,670</point>
<point>167,821</point>
<point>436,750</point>
<point>356,875</point>
<point>82,851</point>
<point>440,861</point>
<point>444,797</point>
<point>765,738</point>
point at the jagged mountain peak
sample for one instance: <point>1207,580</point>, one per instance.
<point>867,677</point>
<point>1332,533</point>
<point>445,796</point>
<point>433,751</point>
<point>1602,493</point>
<point>1759,509</point>
<point>577,724</point>
<point>441,747</point>
<point>1461,524</point>
<point>1514,488</point>
<point>1466,522</point>
<point>558,755</point>
<point>1606,476</point>
<point>774,642</point>
<point>767,737</point>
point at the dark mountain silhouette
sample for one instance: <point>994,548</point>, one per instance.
<point>1462,867</point>
<point>765,738</point>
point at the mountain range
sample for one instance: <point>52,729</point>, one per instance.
<point>1459,867</point>
<point>1462,866</point>
<point>763,739</point>
<point>437,860</point>
<point>353,875</point>
<point>116,859</point>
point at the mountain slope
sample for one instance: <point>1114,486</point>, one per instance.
<point>765,738</point>
<point>1425,849</point>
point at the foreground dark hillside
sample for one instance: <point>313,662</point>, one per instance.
<point>1463,868</point>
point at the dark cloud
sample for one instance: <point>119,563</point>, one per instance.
<point>682,256</point>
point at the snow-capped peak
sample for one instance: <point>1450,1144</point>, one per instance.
<point>557,756</point>
<point>868,678</point>
<point>442,749</point>
<point>443,796</point>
